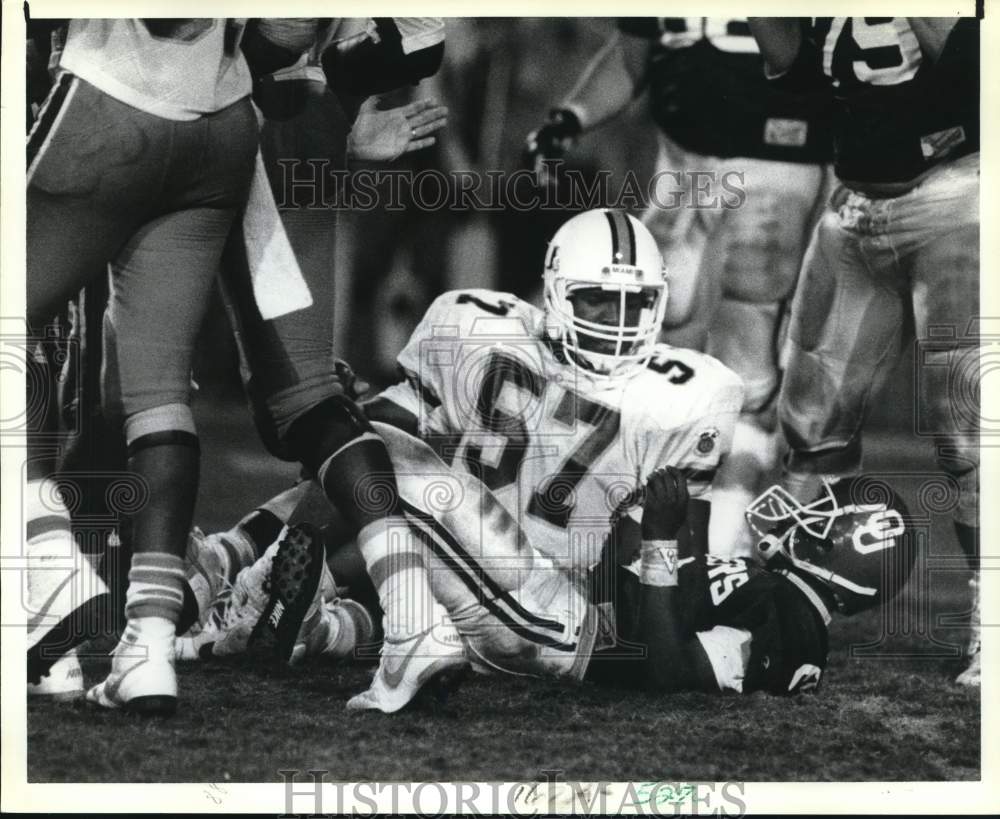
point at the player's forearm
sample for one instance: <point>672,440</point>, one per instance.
<point>606,86</point>
<point>779,40</point>
<point>674,659</point>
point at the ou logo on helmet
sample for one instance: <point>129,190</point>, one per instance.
<point>878,532</point>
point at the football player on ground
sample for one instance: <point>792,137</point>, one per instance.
<point>739,180</point>
<point>544,421</point>
<point>140,157</point>
<point>898,241</point>
<point>658,612</point>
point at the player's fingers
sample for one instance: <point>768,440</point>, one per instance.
<point>415,107</point>
<point>426,130</point>
<point>418,144</point>
<point>682,489</point>
<point>430,120</point>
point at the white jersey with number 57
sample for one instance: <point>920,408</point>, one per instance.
<point>558,448</point>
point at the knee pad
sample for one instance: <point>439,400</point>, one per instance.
<point>168,424</point>
<point>317,434</point>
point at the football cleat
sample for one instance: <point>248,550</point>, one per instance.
<point>431,658</point>
<point>142,678</point>
<point>974,650</point>
<point>63,682</point>
<point>347,624</point>
<point>227,624</point>
<point>295,608</point>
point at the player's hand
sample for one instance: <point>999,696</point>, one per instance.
<point>557,136</point>
<point>665,506</point>
<point>385,135</point>
<point>354,387</point>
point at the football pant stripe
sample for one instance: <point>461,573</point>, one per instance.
<point>497,600</point>
<point>495,589</point>
<point>48,120</point>
<point>472,580</point>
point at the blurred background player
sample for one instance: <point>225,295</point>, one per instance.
<point>739,177</point>
<point>154,194</point>
<point>898,241</point>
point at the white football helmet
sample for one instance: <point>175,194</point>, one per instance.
<point>610,251</point>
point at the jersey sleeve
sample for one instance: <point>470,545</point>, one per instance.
<point>433,363</point>
<point>699,438</point>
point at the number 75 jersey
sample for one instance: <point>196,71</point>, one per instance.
<point>558,448</point>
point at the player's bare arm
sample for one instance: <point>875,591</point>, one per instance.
<point>675,661</point>
<point>779,40</point>
<point>605,88</point>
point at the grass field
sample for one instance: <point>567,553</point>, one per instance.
<point>886,712</point>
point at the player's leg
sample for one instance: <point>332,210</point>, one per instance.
<point>756,254</point>
<point>514,610</point>
<point>160,287</point>
<point>302,407</point>
<point>843,339</point>
<point>940,218</point>
<point>683,231</point>
<point>92,163</point>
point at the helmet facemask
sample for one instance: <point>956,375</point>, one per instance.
<point>607,349</point>
<point>597,260</point>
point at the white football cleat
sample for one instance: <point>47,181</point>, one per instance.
<point>973,673</point>
<point>227,624</point>
<point>142,678</point>
<point>63,682</point>
<point>407,666</point>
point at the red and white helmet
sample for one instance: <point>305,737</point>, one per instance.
<point>614,252</point>
<point>852,539</point>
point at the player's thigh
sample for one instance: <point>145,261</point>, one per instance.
<point>945,276</point>
<point>844,335</point>
<point>289,359</point>
<point>764,238</point>
<point>161,283</point>
<point>756,255</point>
<point>94,168</point>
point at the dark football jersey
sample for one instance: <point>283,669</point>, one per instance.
<point>898,114</point>
<point>708,93</point>
<point>788,635</point>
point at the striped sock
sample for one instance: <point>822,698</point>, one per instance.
<point>155,586</point>
<point>395,561</point>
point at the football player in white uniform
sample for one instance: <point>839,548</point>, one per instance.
<point>543,423</point>
<point>739,178</point>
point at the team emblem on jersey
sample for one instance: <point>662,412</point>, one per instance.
<point>706,441</point>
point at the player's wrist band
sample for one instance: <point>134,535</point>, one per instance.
<point>658,563</point>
